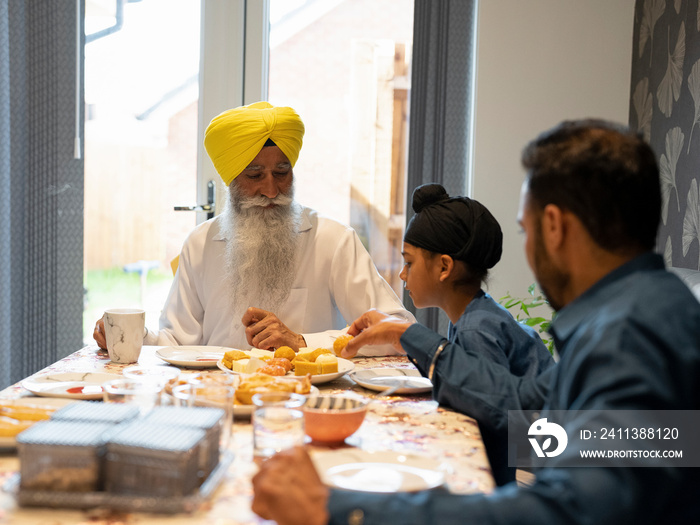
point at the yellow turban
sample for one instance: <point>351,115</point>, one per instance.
<point>234,138</point>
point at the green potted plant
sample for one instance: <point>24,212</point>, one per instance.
<point>524,316</point>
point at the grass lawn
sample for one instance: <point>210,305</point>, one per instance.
<point>115,288</point>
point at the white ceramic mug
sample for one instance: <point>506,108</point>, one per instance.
<point>124,329</point>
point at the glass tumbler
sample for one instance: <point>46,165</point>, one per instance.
<point>157,374</point>
<point>205,394</point>
<point>142,393</point>
<point>278,423</point>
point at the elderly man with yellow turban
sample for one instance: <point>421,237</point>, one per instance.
<point>267,272</point>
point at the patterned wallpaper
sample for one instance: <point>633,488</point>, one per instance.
<point>665,107</point>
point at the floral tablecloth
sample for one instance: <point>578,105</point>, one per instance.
<point>412,424</point>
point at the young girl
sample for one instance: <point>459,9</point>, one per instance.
<point>449,246</point>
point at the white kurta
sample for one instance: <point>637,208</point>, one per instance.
<point>336,282</point>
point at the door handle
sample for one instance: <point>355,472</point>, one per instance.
<point>209,207</point>
<point>201,207</point>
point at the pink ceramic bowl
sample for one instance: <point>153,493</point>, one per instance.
<point>331,418</point>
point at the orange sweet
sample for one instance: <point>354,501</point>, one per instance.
<point>273,370</point>
<point>341,342</point>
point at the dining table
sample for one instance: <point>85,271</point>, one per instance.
<point>412,425</point>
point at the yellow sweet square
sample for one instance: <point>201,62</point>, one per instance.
<point>301,368</point>
<point>303,356</point>
<point>328,363</point>
<point>318,352</point>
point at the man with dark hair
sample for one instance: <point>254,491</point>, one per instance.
<point>616,196</point>
<point>627,331</point>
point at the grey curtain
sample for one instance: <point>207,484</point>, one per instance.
<point>41,187</point>
<point>442,79</point>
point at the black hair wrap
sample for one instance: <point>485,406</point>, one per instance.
<point>456,226</point>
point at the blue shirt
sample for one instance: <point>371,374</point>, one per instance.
<point>486,329</point>
<point>632,341</point>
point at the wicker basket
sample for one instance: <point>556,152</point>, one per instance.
<point>148,459</point>
<point>62,456</point>
<point>96,412</point>
<point>206,419</point>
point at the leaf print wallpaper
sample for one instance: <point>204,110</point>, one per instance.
<point>665,108</point>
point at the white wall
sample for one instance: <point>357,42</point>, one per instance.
<point>540,62</point>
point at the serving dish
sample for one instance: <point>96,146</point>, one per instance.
<point>192,356</point>
<point>127,503</point>
<point>344,366</point>
<point>45,403</point>
<point>247,410</point>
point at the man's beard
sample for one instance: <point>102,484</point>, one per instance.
<point>261,249</point>
<point>551,280</point>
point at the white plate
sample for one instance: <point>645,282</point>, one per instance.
<point>382,471</point>
<point>380,379</point>
<point>247,410</point>
<point>195,356</point>
<point>68,384</point>
<point>10,442</point>
<point>344,366</point>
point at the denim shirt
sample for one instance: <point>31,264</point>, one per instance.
<point>487,327</point>
<point>632,341</point>
<point>488,330</point>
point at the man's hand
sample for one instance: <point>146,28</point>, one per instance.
<point>265,330</point>
<point>375,328</point>
<point>287,489</point>
<point>99,334</point>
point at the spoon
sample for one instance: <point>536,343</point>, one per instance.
<point>389,391</point>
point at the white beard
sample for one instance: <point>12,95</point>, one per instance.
<point>261,249</point>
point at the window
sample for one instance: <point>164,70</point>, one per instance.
<point>141,93</point>
<point>344,66</point>
<point>347,74</point>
